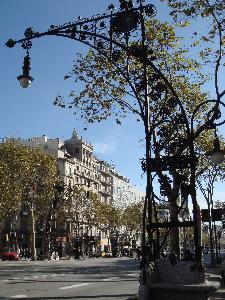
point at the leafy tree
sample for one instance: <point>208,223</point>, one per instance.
<point>79,206</point>
<point>26,175</point>
<point>107,93</point>
<point>132,218</point>
<point>206,182</point>
<point>114,217</point>
<point>219,204</point>
<point>102,215</point>
<point>70,203</point>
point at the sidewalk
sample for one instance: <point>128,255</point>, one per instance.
<point>214,274</point>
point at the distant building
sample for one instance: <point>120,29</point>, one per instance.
<point>123,192</point>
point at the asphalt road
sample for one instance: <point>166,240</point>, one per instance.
<point>95,278</point>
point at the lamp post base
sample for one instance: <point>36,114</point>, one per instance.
<point>180,280</point>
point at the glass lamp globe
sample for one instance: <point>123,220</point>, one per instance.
<point>25,81</point>
<point>217,157</point>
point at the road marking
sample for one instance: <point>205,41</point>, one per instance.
<point>18,296</point>
<point>73,286</point>
<point>112,278</point>
<point>133,274</point>
<point>14,270</point>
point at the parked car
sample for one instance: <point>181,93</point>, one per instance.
<point>9,254</point>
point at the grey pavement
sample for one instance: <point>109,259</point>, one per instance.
<point>106,278</point>
<point>70,279</point>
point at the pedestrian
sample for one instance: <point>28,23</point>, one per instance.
<point>26,253</point>
<point>76,253</point>
<point>138,254</point>
<point>188,255</point>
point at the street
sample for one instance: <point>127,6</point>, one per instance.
<point>95,278</point>
<point>206,259</point>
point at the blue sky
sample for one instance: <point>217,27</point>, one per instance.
<point>29,112</point>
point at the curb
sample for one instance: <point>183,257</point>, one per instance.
<point>135,297</point>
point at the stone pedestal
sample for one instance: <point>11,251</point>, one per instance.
<point>176,280</point>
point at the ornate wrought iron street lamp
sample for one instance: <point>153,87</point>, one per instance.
<point>124,31</point>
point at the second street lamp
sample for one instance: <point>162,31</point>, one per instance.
<point>217,155</point>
